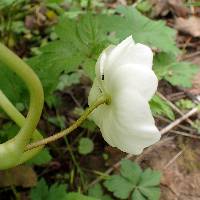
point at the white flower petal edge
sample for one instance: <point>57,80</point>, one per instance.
<point>128,78</point>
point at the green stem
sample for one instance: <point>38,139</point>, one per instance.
<point>75,161</point>
<point>11,150</point>
<point>20,120</point>
<point>89,5</point>
<point>98,102</point>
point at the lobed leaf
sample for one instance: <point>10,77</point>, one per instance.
<point>120,187</point>
<point>131,171</point>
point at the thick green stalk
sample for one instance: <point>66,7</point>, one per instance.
<point>11,150</point>
<point>20,120</point>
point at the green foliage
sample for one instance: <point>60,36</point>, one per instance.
<point>78,196</point>
<point>6,3</point>
<point>177,73</point>
<point>160,107</point>
<point>54,1</point>
<point>132,181</point>
<point>144,30</point>
<point>43,192</point>
<point>90,125</point>
<point>86,146</point>
<point>82,39</point>
<point>185,104</point>
<point>8,131</point>
<point>97,192</point>
<point>58,121</point>
<point>67,80</point>
<point>144,6</point>
<point>42,158</point>
<point>193,3</point>
<point>11,85</point>
<point>55,192</point>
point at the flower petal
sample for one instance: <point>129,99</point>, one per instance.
<point>128,52</point>
<point>95,93</point>
<point>102,61</point>
<point>130,123</point>
<point>133,76</point>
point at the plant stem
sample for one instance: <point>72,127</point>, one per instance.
<point>89,5</point>
<point>98,102</point>
<point>11,150</point>
<point>75,161</point>
<point>19,119</point>
<point>31,80</point>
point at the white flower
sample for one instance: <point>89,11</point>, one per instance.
<point>124,72</point>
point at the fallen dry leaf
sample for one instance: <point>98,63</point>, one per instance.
<point>190,25</point>
<point>19,176</point>
<point>163,7</point>
<point>178,8</point>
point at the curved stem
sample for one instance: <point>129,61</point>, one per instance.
<point>20,120</point>
<point>12,149</point>
<point>98,102</point>
<point>31,80</point>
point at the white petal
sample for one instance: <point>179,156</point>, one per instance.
<point>130,125</point>
<point>102,61</point>
<point>128,52</point>
<point>95,93</point>
<point>133,76</point>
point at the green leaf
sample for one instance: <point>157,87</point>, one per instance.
<point>97,192</point>
<point>80,43</point>
<point>6,3</point>
<point>88,67</point>
<point>150,178</point>
<point>8,131</point>
<point>11,85</point>
<point>42,158</point>
<point>58,121</point>
<point>143,187</point>
<point>160,107</point>
<point>185,104</point>
<point>67,80</point>
<point>144,6</point>
<point>177,73</point>
<point>55,192</point>
<point>56,57</point>
<point>120,186</point>
<point>152,193</point>
<point>86,146</point>
<point>90,125</point>
<point>42,192</point>
<point>144,30</point>
<point>131,171</point>
<point>136,195</point>
<point>54,1</point>
<point>78,196</point>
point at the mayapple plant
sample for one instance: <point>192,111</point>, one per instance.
<point>118,101</point>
